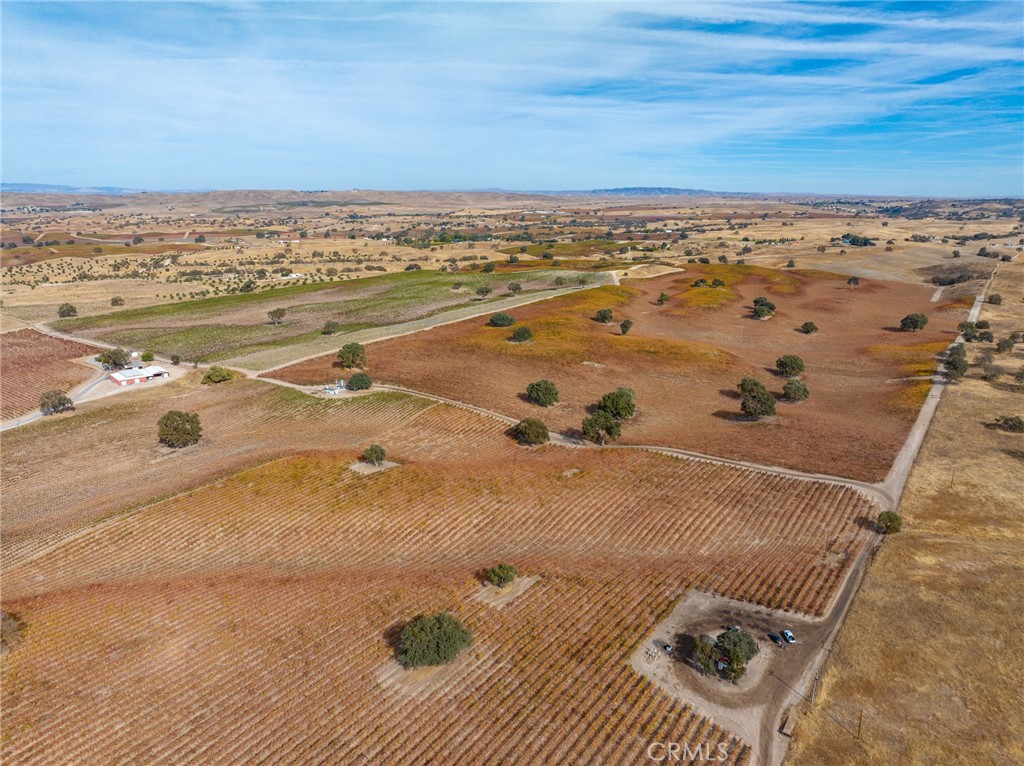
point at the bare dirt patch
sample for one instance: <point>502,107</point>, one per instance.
<point>497,597</point>
<point>414,682</point>
<point>366,469</point>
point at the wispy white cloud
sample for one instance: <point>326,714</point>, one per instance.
<point>517,95</point>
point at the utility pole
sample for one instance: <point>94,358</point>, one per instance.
<point>860,723</point>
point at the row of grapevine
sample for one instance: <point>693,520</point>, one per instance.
<point>31,363</point>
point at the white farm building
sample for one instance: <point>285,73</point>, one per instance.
<point>135,375</point>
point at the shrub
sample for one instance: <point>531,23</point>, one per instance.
<point>217,375</point>
<point>600,427</point>
<point>522,334</point>
<point>985,336</point>
<point>515,288</point>
<point>890,522</point>
<point>620,403</point>
<point>702,282</point>
<point>808,328</point>
<point>352,355</point>
<point>755,400</point>
<point>663,298</point>
<point>995,299</point>
<point>716,283</point>
<point>179,429</point>
<point>502,319</point>
<point>913,322</point>
<point>483,292</point>
<point>1012,423</point>
<point>738,647</point>
<point>147,356</point>
<point>433,640</point>
<point>1019,375</point>
<point>981,324</point>
<point>625,326</point>
<point>790,264</point>
<point>1005,345</point>
<point>374,454</point>
<point>542,392</point>
<point>795,391</point>
<point>513,259</point>
<point>276,316</point>
<point>604,316</point>
<point>489,267</point>
<point>360,382</point>
<point>789,365</point>
<point>531,431</point>
<point>175,358</point>
<point>52,402</point>
<point>853,281</point>
<point>957,350</point>
<point>117,300</point>
<point>955,366</point>
<point>114,358</point>
<point>763,307</point>
<point>66,310</point>
<point>502,574</point>
<point>330,327</point>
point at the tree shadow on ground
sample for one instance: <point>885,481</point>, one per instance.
<point>576,434</point>
<point>393,636</point>
<point>732,416</point>
<point>866,522</point>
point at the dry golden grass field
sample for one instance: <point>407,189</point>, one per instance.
<point>927,668</point>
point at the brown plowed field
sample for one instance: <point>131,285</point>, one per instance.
<point>31,363</point>
<point>684,360</point>
<point>250,620</point>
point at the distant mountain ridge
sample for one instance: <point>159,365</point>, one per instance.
<point>646,191</point>
<point>625,191</point>
<point>115,191</point>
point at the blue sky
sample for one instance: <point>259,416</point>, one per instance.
<point>913,98</point>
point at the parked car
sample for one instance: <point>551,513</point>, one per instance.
<point>788,635</point>
<point>776,639</point>
<point>735,627</point>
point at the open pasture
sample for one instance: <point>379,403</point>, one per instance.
<point>31,363</point>
<point>685,358</point>
<point>294,576</point>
